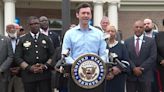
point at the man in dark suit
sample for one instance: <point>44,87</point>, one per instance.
<point>142,53</point>
<point>6,59</point>
<point>44,28</point>
<point>151,32</point>
<point>34,54</point>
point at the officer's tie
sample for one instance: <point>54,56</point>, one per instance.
<point>35,37</point>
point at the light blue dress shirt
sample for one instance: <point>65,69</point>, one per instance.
<point>84,41</point>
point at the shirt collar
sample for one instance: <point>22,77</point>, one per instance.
<point>113,44</point>
<point>12,38</point>
<point>33,35</point>
<point>41,30</point>
<point>45,32</point>
<point>78,27</point>
<point>140,38</point>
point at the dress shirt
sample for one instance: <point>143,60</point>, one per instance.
<point>13,43</point>
<point>83,41</point>
<point>44,32</point>
<point>140,41</point>
<point>33,35</point>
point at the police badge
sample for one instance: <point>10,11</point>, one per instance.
<point>27,44</point>
<point>88,71</point>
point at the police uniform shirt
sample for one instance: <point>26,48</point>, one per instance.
<point>34,50</point>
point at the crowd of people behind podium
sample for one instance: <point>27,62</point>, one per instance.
<point>28,57</point>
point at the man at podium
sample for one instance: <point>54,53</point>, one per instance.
<point>83,39</point>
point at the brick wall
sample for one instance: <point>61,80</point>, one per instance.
<point>127,19</point>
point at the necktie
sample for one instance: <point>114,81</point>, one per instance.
<point>35,37</point>
<point>137,46</point>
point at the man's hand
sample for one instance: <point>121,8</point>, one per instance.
<point>36,68</point>
<point>116,70</point>
<point>137,71</point>
<point>162,62</point>
<point>14,70</point>
<point>43,66</point>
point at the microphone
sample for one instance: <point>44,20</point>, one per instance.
<point>106,36</point>
<point>62,60</point>
<point>122,64</point>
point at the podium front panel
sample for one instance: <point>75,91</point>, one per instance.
<point>87,74</point>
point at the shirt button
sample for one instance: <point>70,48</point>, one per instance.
<point>36,51</point>
<point>35,40</point>
<point>36,46</point>
<point>37,57</point>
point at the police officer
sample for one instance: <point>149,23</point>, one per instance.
<point>34,54</point>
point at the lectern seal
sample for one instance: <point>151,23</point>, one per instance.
<point>88,71</point>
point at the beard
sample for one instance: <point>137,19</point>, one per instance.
<point>148,29</point>
<point>13,35</point>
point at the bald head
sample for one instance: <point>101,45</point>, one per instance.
<point>148,20</point>
<point>43,18</point>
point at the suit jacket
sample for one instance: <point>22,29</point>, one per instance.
<point>55,38</point>
<point>6,56</point>
<point>146,58</point>
<point>33,52</point>
<point>56,42</point>
<point>160,45</point>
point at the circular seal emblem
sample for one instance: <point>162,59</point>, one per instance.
<point>88,71</point>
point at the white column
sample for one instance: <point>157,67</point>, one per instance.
<point>113,12</point>
<point>9,12</point>
<point>98,12</point>
<point>1,19</point>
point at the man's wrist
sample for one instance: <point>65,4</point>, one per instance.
<point>47,65</point>
<point>23,65</point>
<point>28,68</point>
